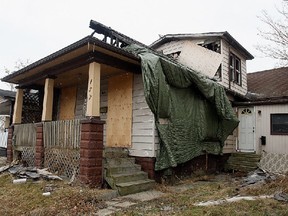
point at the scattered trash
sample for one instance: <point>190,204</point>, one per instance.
<point>4,168</point>
<point>232,199</point>
<point>257,176</point>
<point>19,181</point>
<point>280,196</point>
<point>29,172</point>
<point>46,194</point>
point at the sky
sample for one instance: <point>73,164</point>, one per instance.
<point>33,29</point>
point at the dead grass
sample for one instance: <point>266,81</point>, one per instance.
<point>183,203</point>
<point>27,199</point>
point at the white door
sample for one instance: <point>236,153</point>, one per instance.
<point>246,130</point>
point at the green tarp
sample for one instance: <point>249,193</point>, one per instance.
<point>192,113</point>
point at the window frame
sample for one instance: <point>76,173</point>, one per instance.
<point>272,132</point>
<point>235,70</point>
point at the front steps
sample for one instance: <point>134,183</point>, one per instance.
<point>122,174</point>
<point>242,161</point>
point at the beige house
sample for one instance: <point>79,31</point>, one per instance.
<point>219,56</point>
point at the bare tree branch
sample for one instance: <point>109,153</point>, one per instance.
<point>276,35</point>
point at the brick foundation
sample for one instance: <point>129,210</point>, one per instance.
<point>147,165</point>
<point>9,144</point>
<point>91,152</point>
<point>214,163</point>
<point>39,148</point>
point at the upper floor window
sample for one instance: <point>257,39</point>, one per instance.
<point>235,69</point>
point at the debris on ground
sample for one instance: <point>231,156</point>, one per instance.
<point>33,173</point>
<point>257,176</point>
<point>232,199</point>
<point>281,196</point>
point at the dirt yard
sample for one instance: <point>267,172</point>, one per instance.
<point>180,199</point>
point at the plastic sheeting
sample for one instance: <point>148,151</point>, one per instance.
<point>192,113</point>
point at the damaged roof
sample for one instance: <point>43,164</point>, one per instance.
<point>223,35</point>
<point>269,83</point>
<point>98,28</point>
<point>7,94</point>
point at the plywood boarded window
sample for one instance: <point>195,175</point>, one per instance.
<point>67,103</point>
<point>119,116</point>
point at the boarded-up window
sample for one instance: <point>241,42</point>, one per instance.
<point>67,103</point>
<point>119,116</point>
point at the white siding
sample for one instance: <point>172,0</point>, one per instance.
<point>103,104</point>
<point>144,138</point>
<point>231,141</point>
<point>225,51</point>
<point>274,143</point>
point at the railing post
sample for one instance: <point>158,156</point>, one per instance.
<point>39,148</point>
<point>91,152</point>
<point>10,144</point>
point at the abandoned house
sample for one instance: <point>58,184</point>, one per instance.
<point>110,97</point>
<point>6,110</point>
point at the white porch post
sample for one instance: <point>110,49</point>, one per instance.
<point>48,100</point>
<point>93,91</point>
<point>17,115</point>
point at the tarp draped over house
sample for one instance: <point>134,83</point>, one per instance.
<point>193,114</point>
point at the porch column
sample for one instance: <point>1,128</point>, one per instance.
<point>91,152</point>
<point>48,100</point>
<point>93,91</point>
<point>17,115</point>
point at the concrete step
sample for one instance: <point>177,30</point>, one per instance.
<point>128,177</point>
<point>245,155</point>
<point>119,161</point>
<point>135,186</point>
<point>236,159</point>
<point>121,169</point>
<point>243,161</point>
<point>110,152</point>
<point>241,168</point>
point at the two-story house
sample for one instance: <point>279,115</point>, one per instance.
<point>219,56</point>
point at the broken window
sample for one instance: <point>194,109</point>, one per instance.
<point>211,45</point>
<point>235,69</point>
<point>174,55</point>
<point>218,74</point>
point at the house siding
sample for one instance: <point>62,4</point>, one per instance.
<point>225,50</point>
<point>144,135</point>
<point>274,143</point>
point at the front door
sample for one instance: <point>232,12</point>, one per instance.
<point>246,130</point>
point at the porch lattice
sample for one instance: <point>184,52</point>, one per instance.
<point>62,144</point>
<point>25,141</point>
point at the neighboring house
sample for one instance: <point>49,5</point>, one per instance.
<point>6,110</point>
<point>265,117</point>
<point>90,95</point>
<point>219,56</point>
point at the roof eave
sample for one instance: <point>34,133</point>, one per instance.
<point>84,41</point>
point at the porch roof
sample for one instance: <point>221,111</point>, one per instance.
<point>78,54</point>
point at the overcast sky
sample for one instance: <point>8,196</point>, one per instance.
<point>33,29</point>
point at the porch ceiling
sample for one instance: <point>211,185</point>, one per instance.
<point>78,75</point>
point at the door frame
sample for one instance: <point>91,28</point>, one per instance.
<point>240,109</point>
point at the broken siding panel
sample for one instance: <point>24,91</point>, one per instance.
<point>230,143</point>
<point>143,136</point>
<point>103,105</point>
